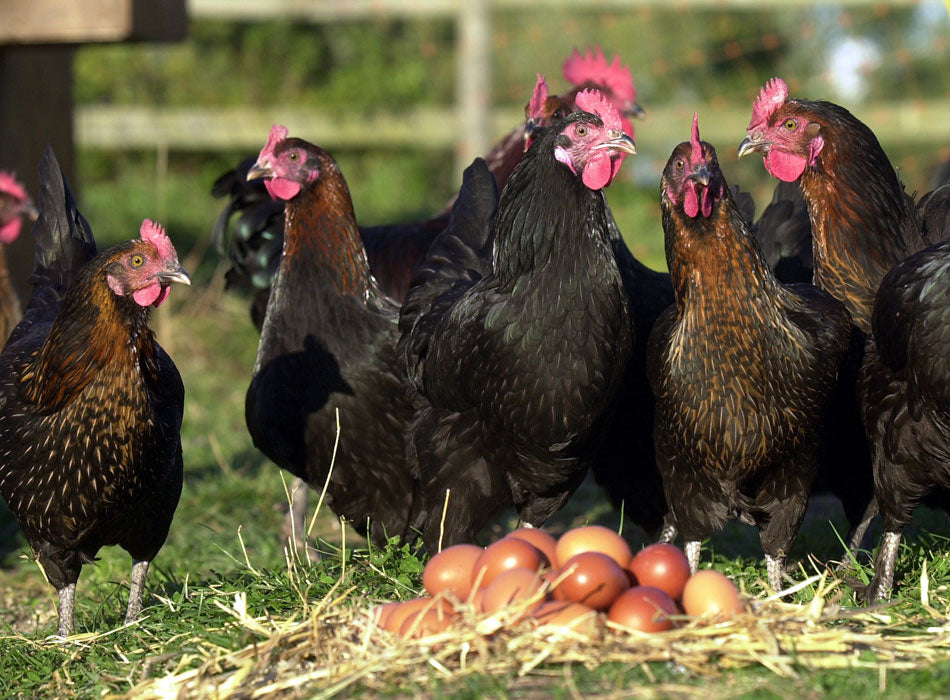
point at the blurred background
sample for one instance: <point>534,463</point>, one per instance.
<point>405,92</point>
<point>147,101</point>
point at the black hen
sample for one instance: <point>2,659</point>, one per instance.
<point>743,368</point>
<point>328,343</point>
<point>90,404</point>
<point>905,382</point>
<point>516,334</point>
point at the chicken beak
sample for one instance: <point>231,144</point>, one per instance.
<point>259,170</point>
<point>174,272</point>
<point>30,211</point>
<point>622,143</point>
<point>701,176</point>
<point>750,144</point>
<point>635,111</point>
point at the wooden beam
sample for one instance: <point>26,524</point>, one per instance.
<point>85,21</point>
<point>335,10</point>
<point>238,128</point>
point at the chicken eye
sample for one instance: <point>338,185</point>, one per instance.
<point>581,130</point>
<point>137,261</point>
<point>293,156</point>
<point>791,124</point>
<point>679,164</point>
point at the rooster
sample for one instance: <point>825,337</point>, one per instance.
<point>744,369</point>
<point>516,332</point>
<point>394,250</point>
<point>90,404</point>
<point>328,344</point>
<point>905,383</point>
<point>15,206</point>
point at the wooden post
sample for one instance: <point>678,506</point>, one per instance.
<point>36,110</point>
<point>38,40</point>
<point>473,96</point>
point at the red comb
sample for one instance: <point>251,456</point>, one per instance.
<point>10,185</point>
<point>536,105</point>
<point>154,233</point>
<point>697,149</point>
<point>770,98</point>
<point>596,102</point>
<point>578,69</point>
<point>277,134</point>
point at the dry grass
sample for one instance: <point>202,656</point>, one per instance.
<point>332,645</point>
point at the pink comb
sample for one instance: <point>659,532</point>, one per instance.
<point>697,148</point>
<point>536,105</point>
<point>277,134</point>
<point>578,69</point>
<point>596,102</point>
<point>9,184</point>
<point>154,233</point>
<point>770,98</point>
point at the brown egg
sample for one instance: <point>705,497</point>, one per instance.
<point>426,622</point>
<point>593,538</point>
<point>380,613</point>
<point>505,554</point>
<point>478,600</point>
<point>663,566</point>
<point>592,578</point>
<point>401,611</point>
<point>708,592</point>
<point>539,538</point>
<point>643,608</point>
<point>511,588</point>
<point>565,615</point>
<point>451,570</point>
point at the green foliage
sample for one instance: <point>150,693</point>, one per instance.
<point>280,62</point>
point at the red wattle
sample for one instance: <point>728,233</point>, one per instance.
<point>707,203</point>
<point>148,295</point>
<point>281,188</point>
<point>785,166</point>
<point>691,201</point>
<point>9,233</point>
<point>599,171</point>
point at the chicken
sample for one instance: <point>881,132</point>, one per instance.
<point>744,369</point>
<point>516,332</point>
<point>862,222</point>
<point>393,250</point>
<point>90,404</point>
<point>328,345</point>
<point>905,383</point>
<point>15,205</point>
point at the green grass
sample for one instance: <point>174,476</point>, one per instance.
<point>223,543</point>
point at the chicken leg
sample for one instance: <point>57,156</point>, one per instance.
<point>136,588</point>
<point>67,599</point>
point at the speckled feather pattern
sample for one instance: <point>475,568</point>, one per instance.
<point>862,222</point>
<point>90,412</point>
<point>743,370</point>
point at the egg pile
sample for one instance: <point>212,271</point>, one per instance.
<point>571,582</point>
